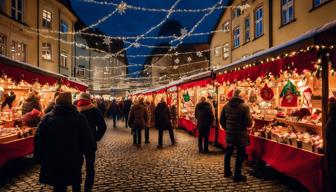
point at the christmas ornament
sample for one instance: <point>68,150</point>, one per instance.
<point>189,59</point>
<point>199,54</point>
<point>307,98</point>
<point>289,95</point>
<point>107,40</point>
<point>122,7</point>
<point>186,97</point>
<point>266,93</point>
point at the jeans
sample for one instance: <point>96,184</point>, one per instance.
<point>63,188</point>
<point>203,134</point>
<point>137,136</point>
<point>126,119</point>
<point>239,160</point>
<point>90,171</point>
<point>114,117</point>
<point>171,134</point>
<point>146,134</point>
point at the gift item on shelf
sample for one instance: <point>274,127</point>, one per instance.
<point>289,95</point>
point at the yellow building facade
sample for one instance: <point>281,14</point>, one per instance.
<point>251,26</point>
<point>30,32</point>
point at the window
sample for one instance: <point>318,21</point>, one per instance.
<point>226,26</point>
<point>18,51</point>
<point>226,51</point>
<point>247,29</point>
<point>259,22</point>
<point>217,51</point>
<point>46,51</point>
<point>64,29</point>
<point>319,2</point>
<point>64,60</point>
<point>46,18</point>
<point>236,13</point>
<point>17,10</point>
<point>3,46</point>
<point>287,11</point>
<point>236,37</point>
<point>80,70</point>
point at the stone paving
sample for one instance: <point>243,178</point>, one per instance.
<point>120,166</point>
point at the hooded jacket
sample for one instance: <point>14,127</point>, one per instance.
<point>235,118</point>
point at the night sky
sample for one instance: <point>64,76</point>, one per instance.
<point>134,22</point>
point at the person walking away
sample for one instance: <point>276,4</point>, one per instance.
<point>127,109</point>
<point>31,102</point>
<point>102,107</point>
<point>163,121</point>
<point>138,119</point>
<point>331,143</point>
<point>148,123</point>
<point>61,139</point>
<point>205,117</point>
<point>121,110</point>
<point>113,110</point>
<point>174,116</point>
<point>98,127</point>
<point>235,119</point>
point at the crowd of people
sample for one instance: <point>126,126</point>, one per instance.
<point>68,132</point>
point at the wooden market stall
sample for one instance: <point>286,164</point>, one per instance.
<point>287,88</point>
<point>16,81</point>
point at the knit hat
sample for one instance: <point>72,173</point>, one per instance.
<point>84,96</point>
<point>64,98</point>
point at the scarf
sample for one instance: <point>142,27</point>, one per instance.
<point>83,102</point>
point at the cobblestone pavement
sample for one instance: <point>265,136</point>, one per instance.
<point>120,166</point>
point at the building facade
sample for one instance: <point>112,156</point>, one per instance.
<point>187,59</point>
<point>95,63</point>
<point>30,32</point>
<point>250,26</point>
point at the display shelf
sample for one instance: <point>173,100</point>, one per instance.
<point>299,124</point>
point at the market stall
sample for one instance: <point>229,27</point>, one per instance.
<point>17,81</point>
<point>284,93</point>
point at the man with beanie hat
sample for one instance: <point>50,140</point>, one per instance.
<point>98,127</point>
<point>61,139</point>
<point>235,119</point>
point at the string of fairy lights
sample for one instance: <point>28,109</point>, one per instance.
<point>121,8</point>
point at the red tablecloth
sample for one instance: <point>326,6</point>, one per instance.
<point>15,149</point>
<point>190,126</point>
<point>304,166</point>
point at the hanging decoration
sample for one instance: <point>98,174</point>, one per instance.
<point>266,93</point>
<point>107,40</point>
<point>122,7</point>
<point>307,98</point>
<point>177,60</point>
<point>186,97</point>
<point>189,59</point>
<point>289,95</point>
<point>199,54</point>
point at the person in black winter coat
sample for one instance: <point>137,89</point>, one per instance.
<point>331,143</point>
<point>235,119</point>
<point>113,111</point>
<point>205,118</point>
<point>127,109</point>
<point>163,121</point>
<point>62,138</point>
<point>98,127</point>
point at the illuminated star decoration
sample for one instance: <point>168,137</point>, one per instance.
<point>136,45</point>
<point>199,54</point>
<point>177,60</point>
<point>184,32</point>
<point>176,53</point>
<point>189,59</point>
<point>122,7</point>
<point>107,40</point>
